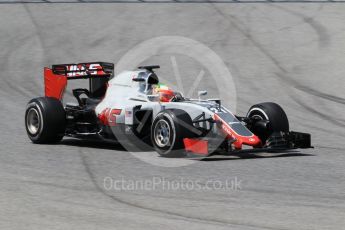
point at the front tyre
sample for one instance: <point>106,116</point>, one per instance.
<point>168,130</point>
<point>269,117</point>
<point>45,120</point>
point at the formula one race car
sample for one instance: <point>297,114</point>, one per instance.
<point>135,106</point>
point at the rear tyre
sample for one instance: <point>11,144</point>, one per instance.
<point>45,120</point>
<point>271,112</point>
<point>168,130</point>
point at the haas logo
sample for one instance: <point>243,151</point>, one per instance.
<point>82,70</point>
<point>108,116</point>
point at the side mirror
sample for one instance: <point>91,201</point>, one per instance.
<point>202,93</point>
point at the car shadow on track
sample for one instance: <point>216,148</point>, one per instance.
<point>92,144</point>
<point>234,157</point>
<point>244,154</point>
<point>248,154</point>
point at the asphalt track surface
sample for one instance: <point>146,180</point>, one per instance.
<point>292,54</point>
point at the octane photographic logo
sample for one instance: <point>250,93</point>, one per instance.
<point>165,184</point>
<point>173,48</point>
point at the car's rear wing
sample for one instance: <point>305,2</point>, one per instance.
<point>84,70</point>
<point>98,73</point>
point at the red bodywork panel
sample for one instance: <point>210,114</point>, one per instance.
<point>108,116</point>
<point>232,135</point>
<point>54,85</point>
<point>196,146</point>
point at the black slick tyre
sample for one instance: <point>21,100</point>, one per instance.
<point>45,120</point>
<point>271,112</point>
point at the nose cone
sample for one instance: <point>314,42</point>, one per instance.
<point>252,141</point>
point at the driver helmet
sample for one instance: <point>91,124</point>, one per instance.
<point>165,93</point>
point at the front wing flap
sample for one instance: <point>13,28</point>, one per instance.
<point>290,140</point>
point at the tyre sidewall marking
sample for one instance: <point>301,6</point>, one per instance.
<point>260,110</point>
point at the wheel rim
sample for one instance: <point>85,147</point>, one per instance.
<point>33,121</point>
<point>162,133</point>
